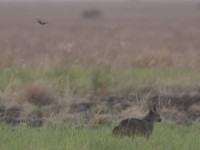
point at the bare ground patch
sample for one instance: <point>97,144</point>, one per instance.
<point>180,107</point>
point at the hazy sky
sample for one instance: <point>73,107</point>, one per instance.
<point>93,0</point>
<point>89,0</point>
<point>59,0</point>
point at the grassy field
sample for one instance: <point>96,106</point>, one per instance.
<point>82,81</point>
<point>133,45</point>
<point>165,137</point>
<point>97,71</point>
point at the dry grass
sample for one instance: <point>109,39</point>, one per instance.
<point>40,94</point>
<point>101,120</point>
<point>129,34</point>
<point>133,111</point>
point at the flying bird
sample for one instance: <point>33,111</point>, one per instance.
<point>42,22</point>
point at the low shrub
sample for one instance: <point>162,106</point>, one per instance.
<point>40,94</point>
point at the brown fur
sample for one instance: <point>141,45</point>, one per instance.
<point>134,126</point>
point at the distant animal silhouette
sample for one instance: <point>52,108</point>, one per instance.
<point>141,127</point>
<point>42,22</point>
<point>92,14</point>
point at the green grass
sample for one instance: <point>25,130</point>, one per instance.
<point>79,80</point>
<point>165,137</point>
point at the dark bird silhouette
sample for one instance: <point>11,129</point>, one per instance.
<point>42,22</point>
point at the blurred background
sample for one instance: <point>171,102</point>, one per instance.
<point>99,61</point>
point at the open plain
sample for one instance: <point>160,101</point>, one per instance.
<point>94,64</point>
